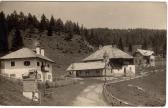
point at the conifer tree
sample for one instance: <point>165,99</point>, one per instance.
<point>17,41</point>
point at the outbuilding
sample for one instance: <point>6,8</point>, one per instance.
<point>107,61</point>
<point>144,57</point>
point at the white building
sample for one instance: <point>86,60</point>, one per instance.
<point>107,61</point>
<point>25,62</point>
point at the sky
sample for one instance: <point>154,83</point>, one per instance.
<point>118,15</point>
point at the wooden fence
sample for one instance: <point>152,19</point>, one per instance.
<point>113,100</point>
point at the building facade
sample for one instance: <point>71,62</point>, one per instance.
<point>24,62</point>
<point>144,58</point>
<point>107,61</point>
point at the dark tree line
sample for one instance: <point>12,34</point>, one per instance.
<point>19,22</point>
<point>148,38</point>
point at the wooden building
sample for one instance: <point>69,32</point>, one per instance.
<point>144,58</point>
<point>107,61</point>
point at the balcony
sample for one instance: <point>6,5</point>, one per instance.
<point>44,69</point>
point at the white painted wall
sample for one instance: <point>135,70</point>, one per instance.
<point>29,95</point>
<point>19,69</point>
<point>130,70</point>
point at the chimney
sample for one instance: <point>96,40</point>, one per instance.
<point>38,50</point>
<point>42,51</point>
<point>37,45</point>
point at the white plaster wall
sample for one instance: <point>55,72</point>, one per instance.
<point>29,95</point>
<point>18,72</point>
<point>152,60</point>
<point>19,69</point>
<point>45,73</point>
<point>130,70</point>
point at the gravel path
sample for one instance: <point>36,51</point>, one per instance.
<point>91,96</point>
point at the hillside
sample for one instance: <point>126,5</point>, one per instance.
<point>11,93</point>
<point>63,52</point>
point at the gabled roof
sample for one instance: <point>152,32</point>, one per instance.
<point>86,66</point>
<point>112,52</point>
<point>145,52</point>
<point>24,53</point>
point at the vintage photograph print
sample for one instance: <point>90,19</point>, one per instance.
<point>83,53</point>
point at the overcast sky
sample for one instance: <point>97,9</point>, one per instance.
<point>98,14</point>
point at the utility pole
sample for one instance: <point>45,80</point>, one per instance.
<point>106,60</point>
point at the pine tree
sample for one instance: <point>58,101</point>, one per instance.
<point>59,26</point>
<point>145,44</point>
<point>120,44</point>
<point>51,26</point>
<point>130,47</point>
<point>17,41</point>
<point>43,23</point>
<point>3,34</point>
<point>49,31</point>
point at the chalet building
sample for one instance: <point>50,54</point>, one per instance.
<point>106,61</point>
<point>25,62</point>
<point>144,58</point>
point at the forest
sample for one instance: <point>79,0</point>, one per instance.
<point>17,22</point>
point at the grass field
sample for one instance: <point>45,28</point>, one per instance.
<point>144,91</point>
<point>11,94</point>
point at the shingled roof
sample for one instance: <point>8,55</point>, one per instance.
<point>145,52</point>
<point>112,52</point>
<point>24,53</point>
<point>86,66</point>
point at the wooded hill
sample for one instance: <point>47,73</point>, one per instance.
<point>17,22</point>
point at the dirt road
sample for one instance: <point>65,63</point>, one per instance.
<point>90,96</point>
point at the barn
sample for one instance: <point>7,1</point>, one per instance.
<point>144,58</point>
<point>106,61</point>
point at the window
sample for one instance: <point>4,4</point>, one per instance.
<point>48,65</point>
<point>27,63</point>
<point>12,63</point>
<point>49,76</point>
<point>12,75</point>
<point>87,72</point>
<point>97,71</point>
<point>38,64</point>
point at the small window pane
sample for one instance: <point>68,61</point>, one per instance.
<point>38,64</point>
<point>27,63</point>
<point>12,63</point>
